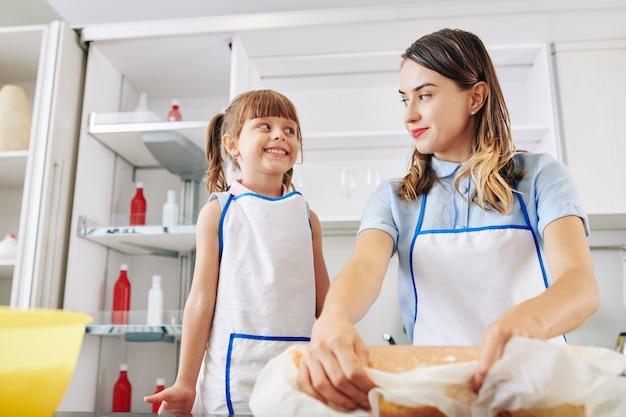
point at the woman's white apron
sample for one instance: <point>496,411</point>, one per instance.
<point>463,279</point>
<point>265,297</point>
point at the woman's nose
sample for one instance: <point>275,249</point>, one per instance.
<point>411,114</point>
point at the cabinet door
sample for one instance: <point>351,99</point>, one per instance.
<point>591,88</point>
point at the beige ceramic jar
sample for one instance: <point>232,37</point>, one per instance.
<point>15,118</point>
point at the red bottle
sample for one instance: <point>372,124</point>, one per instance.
<point>174,114</point>
<point>160,386</point>
<point>138,207</point>
<point>121,297</point>
<point>122,391</point>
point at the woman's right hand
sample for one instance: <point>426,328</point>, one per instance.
<point>331,370</point>
<point>175,399</point>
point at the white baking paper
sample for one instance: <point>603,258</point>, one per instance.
<point>536,374</point>
<point>275,392</point>
<point>530,374</point>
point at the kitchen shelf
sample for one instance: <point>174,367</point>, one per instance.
<point>13,168</point>
<point>136,330</point>
<point>141,240</point>
<point>122,135</point>
<point>119,133</point>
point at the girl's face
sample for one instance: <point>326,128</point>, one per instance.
<point>267,146</point>
<point>437,114</point>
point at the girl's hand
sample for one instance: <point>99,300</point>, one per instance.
<point>331,370</point>
<point>176,399</point>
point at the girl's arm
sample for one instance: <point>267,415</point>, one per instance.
<point>198,315</point>
<point>332,368</point>
<point>322,282</point>
<point>566,304</point>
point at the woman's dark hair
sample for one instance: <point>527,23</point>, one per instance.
<point>462,57</point>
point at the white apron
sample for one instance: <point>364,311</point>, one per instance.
<point>464,279</point>
<point>265,296</point>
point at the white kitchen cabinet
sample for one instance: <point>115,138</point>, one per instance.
<point>351,114</point>
<point>591,89</point>
<point>36,183</point>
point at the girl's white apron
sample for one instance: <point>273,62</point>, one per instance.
<point>265,297</point>
<point>469,277</point>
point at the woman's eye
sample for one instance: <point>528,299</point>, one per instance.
<point>423,97</point>
<point>405,101</point>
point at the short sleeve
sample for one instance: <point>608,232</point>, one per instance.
<point>378,212</point>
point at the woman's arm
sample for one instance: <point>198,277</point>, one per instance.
<point>322,282</point>
<point>567,303</point>
<point>332,368</point>
<point>198,315</point>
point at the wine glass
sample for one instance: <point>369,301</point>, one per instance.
<point>372,177</point>
<point>346,182</point>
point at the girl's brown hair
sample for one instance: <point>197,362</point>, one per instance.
<point>248,105</point>
<point>462,57</point>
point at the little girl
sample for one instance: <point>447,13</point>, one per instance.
<point>260,278</point>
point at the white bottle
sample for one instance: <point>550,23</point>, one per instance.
<point>8,247</point>
<point>142,112</point>
<point>170,209</point>
<point>155,302</point>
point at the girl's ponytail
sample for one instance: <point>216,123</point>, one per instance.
<point>216,178</point>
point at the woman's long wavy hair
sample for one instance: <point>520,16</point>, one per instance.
<point>462,57</point>
<point>246,106</point>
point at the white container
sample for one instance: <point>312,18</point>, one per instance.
<point>155,302</point>
<point>8,247</point>
<point>15,119</point>
<point>170,210</point>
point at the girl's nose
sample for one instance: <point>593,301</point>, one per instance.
<point>279,135</point>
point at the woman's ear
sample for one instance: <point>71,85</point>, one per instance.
<point>478,96</point>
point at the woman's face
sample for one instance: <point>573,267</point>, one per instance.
<point>437,113</point>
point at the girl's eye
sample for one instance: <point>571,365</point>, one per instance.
<point>264,126</point>
<point>290,130</point>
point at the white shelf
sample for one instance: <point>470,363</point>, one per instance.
<point>136,330</point>
<point>13,168</point>
<point>141,240</point>
<point>124,137</point>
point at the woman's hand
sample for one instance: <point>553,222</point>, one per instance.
<point>176,399</point>
<point>332,368</point>
<point>515,322</point>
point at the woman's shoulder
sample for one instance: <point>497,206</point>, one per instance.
<point>534,163</point>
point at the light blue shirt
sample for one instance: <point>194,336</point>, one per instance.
<point>547,189</point>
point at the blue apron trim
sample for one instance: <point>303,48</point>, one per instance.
<point>418,227</point>
<point>231,342</point>
<point>220,230</point>
<point>282,197</point>
<point>543,269</point>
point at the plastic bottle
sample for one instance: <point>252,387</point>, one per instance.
<point>155,302</point>
<point>174,114</point>
<point>160,386</point>
<point>138,207</point>
<point>170,209</point>
<point>122,391</point>
<point>121,297</point>
<point>8,247</point>
<point>141,113</point>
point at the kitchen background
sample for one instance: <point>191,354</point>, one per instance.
<point>83,66</point>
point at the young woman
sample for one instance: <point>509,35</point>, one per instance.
<point>491,242</point>
<point>260,278</point>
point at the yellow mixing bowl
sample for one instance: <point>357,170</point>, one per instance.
<point>38,353</point>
